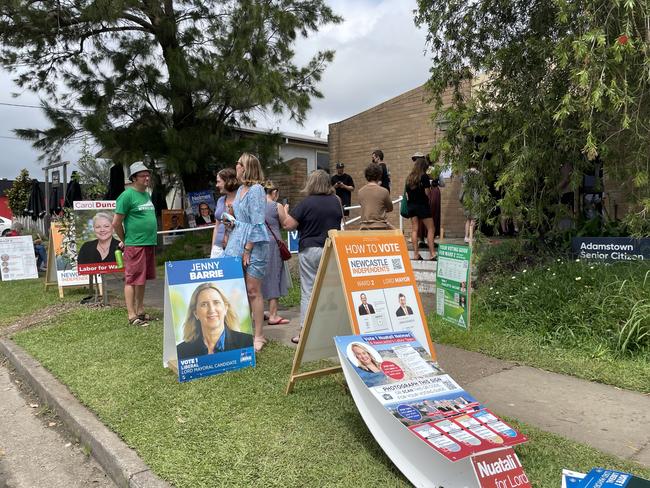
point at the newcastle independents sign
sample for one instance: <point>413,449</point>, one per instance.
<point>611,248</point>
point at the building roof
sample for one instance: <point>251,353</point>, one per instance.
<point>288,136</point>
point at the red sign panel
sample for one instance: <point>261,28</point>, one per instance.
<point>500,469</point>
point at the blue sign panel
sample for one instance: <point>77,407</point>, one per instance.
<point>210,316</point>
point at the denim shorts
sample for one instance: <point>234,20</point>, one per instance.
<point>259,259</point>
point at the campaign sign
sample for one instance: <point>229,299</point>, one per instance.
<point>452,284</point>
<point>172,220</point>
<point>62,253</point>
<point>293,240</point>
<point>609,478</point>
<point>412,388</point>
<point>202,204</point>
<point>17,259</point>
<point>500,469</point>
<point>95,237</point>
<point>611,248</point>
<point>380,286</point>
<point>208,327</point>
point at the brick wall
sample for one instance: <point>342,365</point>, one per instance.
<point>399,127</point>
<point>292,182</point>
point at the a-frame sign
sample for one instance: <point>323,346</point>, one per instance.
<point>364,284</point>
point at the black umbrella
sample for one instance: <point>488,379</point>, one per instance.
<point>115,182</point>
<point>73,193</point>
<point>35,206</point>
<point>55,201</point>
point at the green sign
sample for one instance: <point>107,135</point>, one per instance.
<point>452,283</point>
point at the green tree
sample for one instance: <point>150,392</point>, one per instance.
<point>539,84</point>
<point>168,80</point>
<point>93,172</point>
<point>18,194</point>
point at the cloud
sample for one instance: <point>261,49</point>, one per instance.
<point>379,55</point>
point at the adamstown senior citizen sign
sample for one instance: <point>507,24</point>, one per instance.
<point>611,248</point>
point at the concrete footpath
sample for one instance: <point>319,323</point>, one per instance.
<point>612,420</point>
<point>33,453</point>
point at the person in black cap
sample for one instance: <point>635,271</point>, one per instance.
<point>344,185</point>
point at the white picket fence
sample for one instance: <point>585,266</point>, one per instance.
<point>38,226</point>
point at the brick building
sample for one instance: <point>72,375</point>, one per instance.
<point>399,127</point>
<point>403,125</point>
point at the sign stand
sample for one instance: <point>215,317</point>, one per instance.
<point>383,272</point>
<point>50,273</point>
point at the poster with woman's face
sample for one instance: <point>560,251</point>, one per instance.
<point>95,237</point>
<point>208,327</point>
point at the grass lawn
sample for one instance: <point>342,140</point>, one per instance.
<point>583,319</point>
<point>23,297</point>
<point>240,429</point>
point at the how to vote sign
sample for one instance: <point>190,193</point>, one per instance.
<point>453,284</point>
<point>380,286</point>
<point>208,327</point>
<point>17,259</point>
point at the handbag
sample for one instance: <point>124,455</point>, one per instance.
<point>285,254</point>
<point>404,205</point>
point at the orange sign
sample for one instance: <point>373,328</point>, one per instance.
<point>379,284</point>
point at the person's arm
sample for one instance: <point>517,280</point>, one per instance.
<point>118,227</point>
<point>288,221</point>
<point>388,203</point>
<point>350,186</point>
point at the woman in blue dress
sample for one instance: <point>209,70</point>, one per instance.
<point>249,238</point>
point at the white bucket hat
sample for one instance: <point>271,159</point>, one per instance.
<point>136,168</point>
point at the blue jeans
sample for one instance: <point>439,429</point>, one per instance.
<point>41,256</point>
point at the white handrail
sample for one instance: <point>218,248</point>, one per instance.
<point>352,207</point>
<point>395,202</point>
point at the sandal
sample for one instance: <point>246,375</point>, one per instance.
<point>296,339</point>
<point>146,317</point>
<point>434,258</point>
<point>259,343</point>
<point>280,321</point>
<point>419,258</point>
<point>137,321</point>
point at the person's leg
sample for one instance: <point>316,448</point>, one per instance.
<point>254,291</point>
<point>273,309</point>
<point>428,223</point>
<point>139,299</point>
<point>135,273</point>
<point>129,298</point>
<point>41,256</point>
<point>467,221</point>
<point>415,224</point>
<point>308,261</point>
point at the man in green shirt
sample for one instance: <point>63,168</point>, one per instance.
<point>136,226</point>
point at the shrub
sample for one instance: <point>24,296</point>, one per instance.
<point>191,245</point>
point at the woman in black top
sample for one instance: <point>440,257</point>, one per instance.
<point>418,188</point>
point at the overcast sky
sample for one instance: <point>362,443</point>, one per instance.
<point>379,54</point>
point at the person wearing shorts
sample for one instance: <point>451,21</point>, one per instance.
<point>136,225</point>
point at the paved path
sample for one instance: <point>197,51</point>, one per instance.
<point>610,419</point>
<point>34,455</point>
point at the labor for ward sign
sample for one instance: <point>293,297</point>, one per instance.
<point>380,286</point>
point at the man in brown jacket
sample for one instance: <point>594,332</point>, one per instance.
<point>375,201</point>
